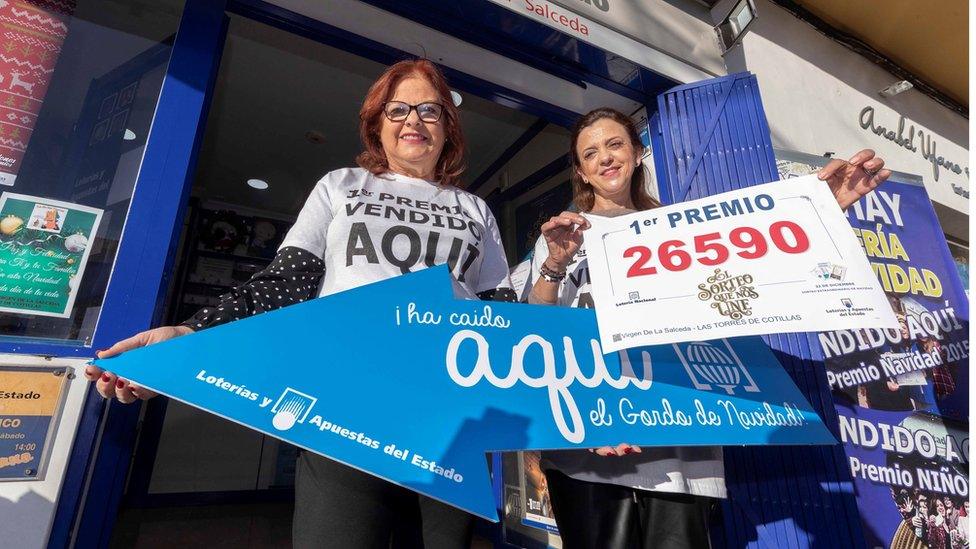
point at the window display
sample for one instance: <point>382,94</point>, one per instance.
<point>79,81</point>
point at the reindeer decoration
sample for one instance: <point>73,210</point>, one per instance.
<point>16,81</point>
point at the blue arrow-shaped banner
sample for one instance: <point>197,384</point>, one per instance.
<point>403,381</point>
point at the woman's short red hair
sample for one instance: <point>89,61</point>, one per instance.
<point>450,165</point>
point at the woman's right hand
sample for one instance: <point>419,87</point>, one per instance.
<point>621,449</point>
<point>564,236</point>
<point>111,386</point>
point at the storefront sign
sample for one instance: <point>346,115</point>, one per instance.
<point>30,400</point>
<point>680,60</point>
<point>766,259</point>
<point>44,247</point>
<point>402,380</point>
<point>924,145</point>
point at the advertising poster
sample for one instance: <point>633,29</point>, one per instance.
<point>911,476</point>
<point>44,247</point>
<point>528,518</point>
<point>538,508</point>
<point>30,400</point>
<point>34,32</point>
<point>902,395</point>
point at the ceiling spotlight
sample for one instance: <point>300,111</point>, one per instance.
<point>456,98</point>
<point>258,184</point>
<point>129,135</point>
<point>896,88</point>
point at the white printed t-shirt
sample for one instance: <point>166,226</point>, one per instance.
<point>368,228</point>
<point>696,470</point>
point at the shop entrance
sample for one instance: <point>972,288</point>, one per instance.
<point>521,83</point>
<point>284,112</point>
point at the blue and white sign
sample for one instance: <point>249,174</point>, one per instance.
<point>403,381</point>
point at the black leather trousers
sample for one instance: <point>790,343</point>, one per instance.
<point>592,515</point>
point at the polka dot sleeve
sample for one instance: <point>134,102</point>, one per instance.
<point>292,277</point>
<point>499,294</point>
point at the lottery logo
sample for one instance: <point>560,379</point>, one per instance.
<point>292,407</point>
<point>708,365</point>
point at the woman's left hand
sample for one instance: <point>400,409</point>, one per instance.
<point>851,179</point>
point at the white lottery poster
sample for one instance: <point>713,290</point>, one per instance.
<point>779,257</point>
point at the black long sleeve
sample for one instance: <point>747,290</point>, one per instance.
<point>292,277</point>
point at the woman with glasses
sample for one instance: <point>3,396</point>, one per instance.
<point>626,497</point>
<point>400,211</point>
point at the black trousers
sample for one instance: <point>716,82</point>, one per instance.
<point>338,506</point>
<point>592,515</point>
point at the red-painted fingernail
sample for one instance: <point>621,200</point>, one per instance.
<point>120,384</point>
<point>106,378</point>
<point>628,450</point>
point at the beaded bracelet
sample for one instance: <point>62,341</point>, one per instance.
<point>550,275</point>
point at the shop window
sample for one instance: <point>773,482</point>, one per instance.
<point>79,81</point>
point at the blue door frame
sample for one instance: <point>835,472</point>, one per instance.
<point>137,290</point>
<point>136,295</point>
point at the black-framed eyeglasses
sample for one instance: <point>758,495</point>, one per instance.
<point>398,111</point>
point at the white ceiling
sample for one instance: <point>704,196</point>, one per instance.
<point>273,87</point>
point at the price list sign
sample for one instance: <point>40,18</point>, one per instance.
<point>30,402</point>
<point>779,257</point>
